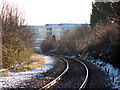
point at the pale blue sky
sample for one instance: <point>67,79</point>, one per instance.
<point>41,12</point>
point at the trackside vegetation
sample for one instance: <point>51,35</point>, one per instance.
<point>101,39</point>
<point>17,43</point>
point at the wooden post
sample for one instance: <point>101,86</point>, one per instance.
<point>105,70</point>
<point>113,78</point>
<point>108,71</point>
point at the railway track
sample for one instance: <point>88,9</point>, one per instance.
<point>75,75</point>
<point>68,73</point>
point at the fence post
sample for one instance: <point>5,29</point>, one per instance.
<point>108,71</point>
<point>105,70</point>
<point>113,78</point>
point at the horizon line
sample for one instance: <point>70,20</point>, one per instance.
<point>54,23</point>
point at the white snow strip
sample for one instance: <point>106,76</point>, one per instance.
<point>108,68</point>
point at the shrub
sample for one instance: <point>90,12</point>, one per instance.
<point>69,43</point>
<point>48,44</point>
<point>106,43</point>
<point>16,37</point>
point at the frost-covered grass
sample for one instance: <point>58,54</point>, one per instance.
<point>36,61</point>
<point>14,79</point>
<point>114,73</point>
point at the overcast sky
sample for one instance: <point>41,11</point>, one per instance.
<point>41,12</point>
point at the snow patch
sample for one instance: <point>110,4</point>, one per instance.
<point>3,70</point>
<point>14,79</point>
<point>113,73</point>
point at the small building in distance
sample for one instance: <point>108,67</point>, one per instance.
<point>53,30</point>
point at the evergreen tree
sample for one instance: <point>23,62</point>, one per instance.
<point>102,11</point>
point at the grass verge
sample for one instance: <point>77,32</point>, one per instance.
<point>36,61</point>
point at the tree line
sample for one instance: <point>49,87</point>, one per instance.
<point>101,39</point>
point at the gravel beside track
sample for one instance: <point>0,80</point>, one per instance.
<point>97,79</point>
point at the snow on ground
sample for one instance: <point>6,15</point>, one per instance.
<point>15,78</point>
<point>2,70</point>
<point>113,73</point>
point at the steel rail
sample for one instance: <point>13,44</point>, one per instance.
<point>58,78</point>
<point>86,78</point>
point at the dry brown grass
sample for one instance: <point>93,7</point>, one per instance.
<point>36,61</point>
<point>37,58</point>
<point>34,65</point>
<point>4,73</point>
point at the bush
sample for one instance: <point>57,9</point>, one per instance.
<point>16,37</point>
<point>107,34</point>
<point>0,43</point>
<point>106,43</point>
<point>48,44</point>
<point>73,42</point>
<point>69,43</point>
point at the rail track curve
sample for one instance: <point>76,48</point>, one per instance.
<point>67,69</point>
